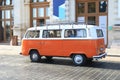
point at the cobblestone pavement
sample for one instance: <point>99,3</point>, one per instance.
<point>16,67</point>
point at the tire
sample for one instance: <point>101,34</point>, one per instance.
<point>89,60</point>
<point>48,57</point>
<point>79,60</point>
<point>34,56</point>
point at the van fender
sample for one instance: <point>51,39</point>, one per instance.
<point>33,50</point>
<point>76,53</point>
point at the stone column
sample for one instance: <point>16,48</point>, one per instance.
<point>21,17</point>
<point>119,8</point>
<point>67,10</point>
<point>17,19</point>
<point>72,10</point>
<point>51,11</point>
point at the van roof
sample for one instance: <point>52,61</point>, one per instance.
<point>63,27</point>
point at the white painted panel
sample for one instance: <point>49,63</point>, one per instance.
<point>81,19</point>
<point>119,8</point>
<point>103,25</point>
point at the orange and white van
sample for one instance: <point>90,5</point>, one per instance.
<point>79,42</point>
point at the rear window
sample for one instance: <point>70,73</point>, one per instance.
<point>99,33</point>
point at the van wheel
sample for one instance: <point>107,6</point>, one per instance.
<point>79,60</point>
<point>34,56</point>
<point>48,57</point>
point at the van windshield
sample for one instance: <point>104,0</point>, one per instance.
<point>99,33</point>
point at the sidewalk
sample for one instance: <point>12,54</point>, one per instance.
<point>7,49</point>
<point>113,51</point>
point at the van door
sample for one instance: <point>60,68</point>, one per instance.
<point>52,43</point>
<point>74,41</point>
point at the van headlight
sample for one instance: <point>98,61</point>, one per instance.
<point>101,49</point>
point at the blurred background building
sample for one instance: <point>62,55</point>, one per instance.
<point>18,15</point>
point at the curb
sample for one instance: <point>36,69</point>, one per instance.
<point>113,55</point>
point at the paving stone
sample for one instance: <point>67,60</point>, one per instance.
<point>16,67</point>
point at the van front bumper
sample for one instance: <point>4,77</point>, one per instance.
<point>100,56</point>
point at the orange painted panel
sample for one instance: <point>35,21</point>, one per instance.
<point>63,47</point>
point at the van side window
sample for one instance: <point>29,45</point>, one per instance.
<point>79,33</point>
<point>51,34</point>
<point>32,34</point>
<point>99,33</point>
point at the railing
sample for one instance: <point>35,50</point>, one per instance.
<point>72,24</point>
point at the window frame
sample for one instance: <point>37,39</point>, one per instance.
<point>86,14</point>
<point>37,5</point>
<point>7,15</point>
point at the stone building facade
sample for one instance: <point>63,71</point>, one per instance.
<point>18,15</point>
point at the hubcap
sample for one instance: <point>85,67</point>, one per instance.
<point>78,59</point>
<point>35,56</point>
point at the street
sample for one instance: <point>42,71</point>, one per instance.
<point>17,67</point>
